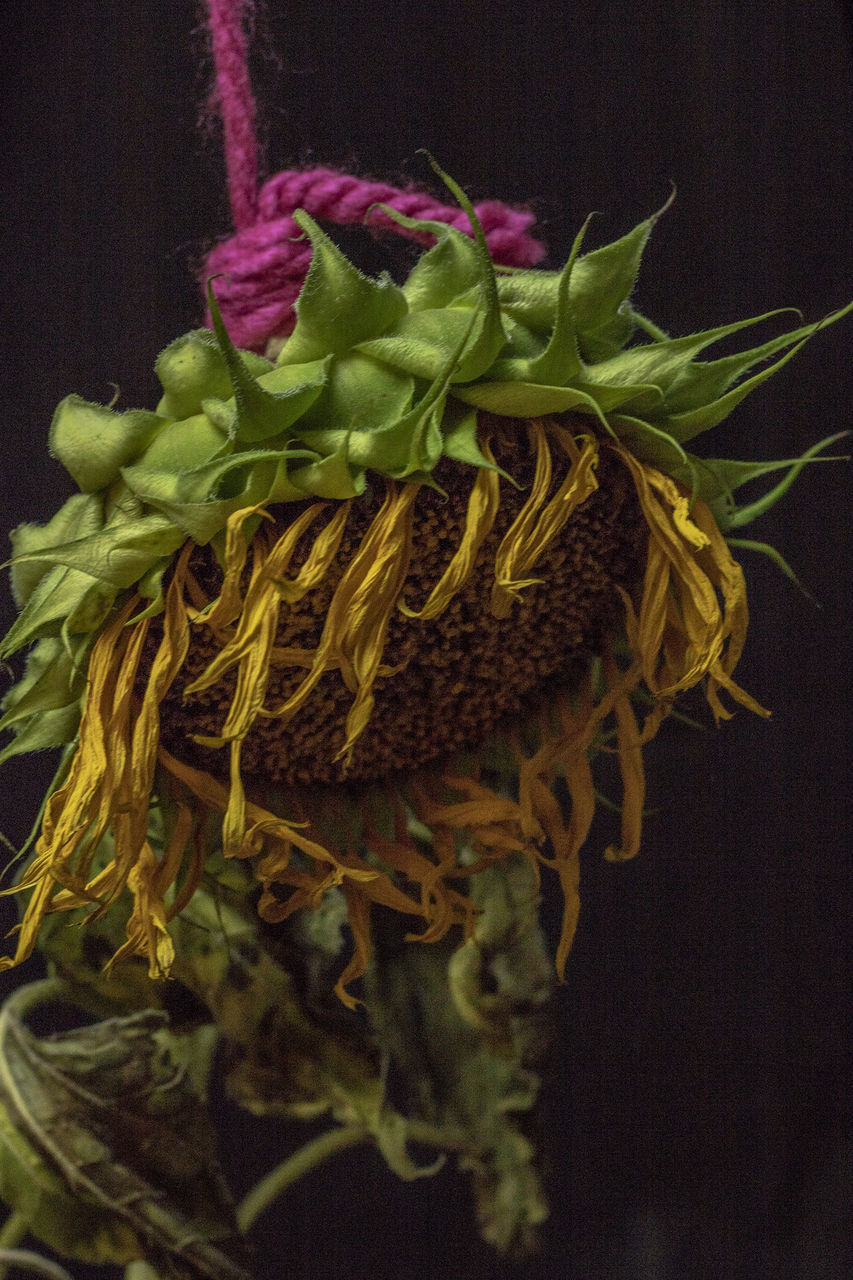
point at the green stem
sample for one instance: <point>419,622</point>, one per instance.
<point>431,1136</point>
<point>25,998</point>
<point>13,1231</point>
<point>26,1260</point>
<point>140,1270</point>
<point>295,1167</point>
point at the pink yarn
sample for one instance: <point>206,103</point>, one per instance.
<point>265,263</point>
<point>232,98</point>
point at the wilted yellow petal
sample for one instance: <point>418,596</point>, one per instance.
<point>483,504</point>
<point>227,605</point>
<point>629,749</point>
<point>147,932</point>
<point>539,522</point>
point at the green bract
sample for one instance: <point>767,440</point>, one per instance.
<point>374,378</point>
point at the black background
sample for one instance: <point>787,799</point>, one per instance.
<point>696,1113</point>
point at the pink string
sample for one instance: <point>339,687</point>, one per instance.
<point>265,263</point>
<point>232,99</point>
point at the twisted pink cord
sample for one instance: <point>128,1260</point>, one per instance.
<point>265,263</point>
<point>232,98</point>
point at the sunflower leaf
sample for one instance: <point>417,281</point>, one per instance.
<point>107,1150</point>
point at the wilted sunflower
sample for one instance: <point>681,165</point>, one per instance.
<point>379,602</point>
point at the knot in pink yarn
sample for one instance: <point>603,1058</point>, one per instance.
<point>264,265</point>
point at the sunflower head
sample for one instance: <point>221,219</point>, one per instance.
<point>357,614</point>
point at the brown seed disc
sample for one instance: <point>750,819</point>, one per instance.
<point>463,672</point>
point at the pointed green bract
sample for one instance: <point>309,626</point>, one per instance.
<point>338,307</point>
<point>93,443</point>
<point>717,479</point>
<point>261,414</point>
<point>52,680</point>
<point>81,515</point>
<point>194,367</point>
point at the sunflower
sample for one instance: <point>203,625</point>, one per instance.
<point>360,613</point>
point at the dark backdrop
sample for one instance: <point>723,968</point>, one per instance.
<point>697,1120</point>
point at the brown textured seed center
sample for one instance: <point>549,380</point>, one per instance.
<point>460,674</point>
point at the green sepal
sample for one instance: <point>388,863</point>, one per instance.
<point>524,400</point>
<point>461,443</point>
<point>654,447</point>
<point>746,514</point>
<point>719,478</point>
<point>194,501</point>
<point>422,341</point>
<point>650,329</point>
<point>65,599</point>
<point>360,395</point>
<point>52,679</point>
<point>395,450</point>
<point>422,427</point>
<point>262,414</point>
<point>417,436</point>
<point>662,362</point>
<point>81,515</point>
<point>117,555</point>
<point>412,443</point>
<point>44,731</point>
<point>338,306</point>
<point>522,343</point>
<point>529,298</point>
<point>702,386</point>
<point>93,442</point>
<point>635,398</point>
<point>331,477</point>
<point>150,587</point>
<point>182,445</point>
<point>444,272</point>
<point>192,368</point>
<point>488,338</point>
<point>685,426</point>
<point>559,363</point>
<point>775,557</point>
<point>602,282</point>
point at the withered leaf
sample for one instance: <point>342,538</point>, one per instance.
<point>464,1031</point>
<point>107,1148</point>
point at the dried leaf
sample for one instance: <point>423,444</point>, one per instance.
<point>463,1030</point>
<point>106,1146</point>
